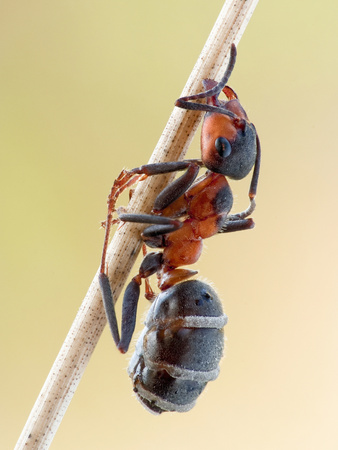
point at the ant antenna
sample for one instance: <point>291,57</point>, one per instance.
<point>216,89</point>
<point>185,102</point>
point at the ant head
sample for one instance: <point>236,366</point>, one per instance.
<point>228,140</point>
<point>228,144</point>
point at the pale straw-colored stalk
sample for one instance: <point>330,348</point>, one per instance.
<point>88,325</point>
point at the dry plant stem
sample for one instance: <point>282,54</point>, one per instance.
<point>88,325</point>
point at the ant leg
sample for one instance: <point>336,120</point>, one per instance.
<point>245,213</point>
<point>129,309</point>
<point>108,302</point>
<point>122,182</point>
<point>150,265</point>
<point>237,225</point>
<point>113,222</point>
<point>177,188</point>
<point>149,293</point>
<point>162,225</point>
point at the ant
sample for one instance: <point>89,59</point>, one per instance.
<point>181,346</point>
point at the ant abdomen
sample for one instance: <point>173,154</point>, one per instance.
<point>180,347</point>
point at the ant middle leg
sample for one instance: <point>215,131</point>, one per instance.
<point>161,225</point>
<point>237,225</point>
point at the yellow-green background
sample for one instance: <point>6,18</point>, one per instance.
<point>86,88</point>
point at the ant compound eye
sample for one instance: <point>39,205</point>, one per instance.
<point>223,147</point>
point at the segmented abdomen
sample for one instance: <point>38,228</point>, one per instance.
<point>180,347</point>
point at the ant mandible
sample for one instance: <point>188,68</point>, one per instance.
<point>183,214</point>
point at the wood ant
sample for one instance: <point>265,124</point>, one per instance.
<point>181,346</point>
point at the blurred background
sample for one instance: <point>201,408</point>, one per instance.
<point>86,89</point>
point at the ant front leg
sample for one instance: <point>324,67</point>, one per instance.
<point>237,225</point>
<point>160,224</point>
<point>247,212</point>
<point>122,182</point>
